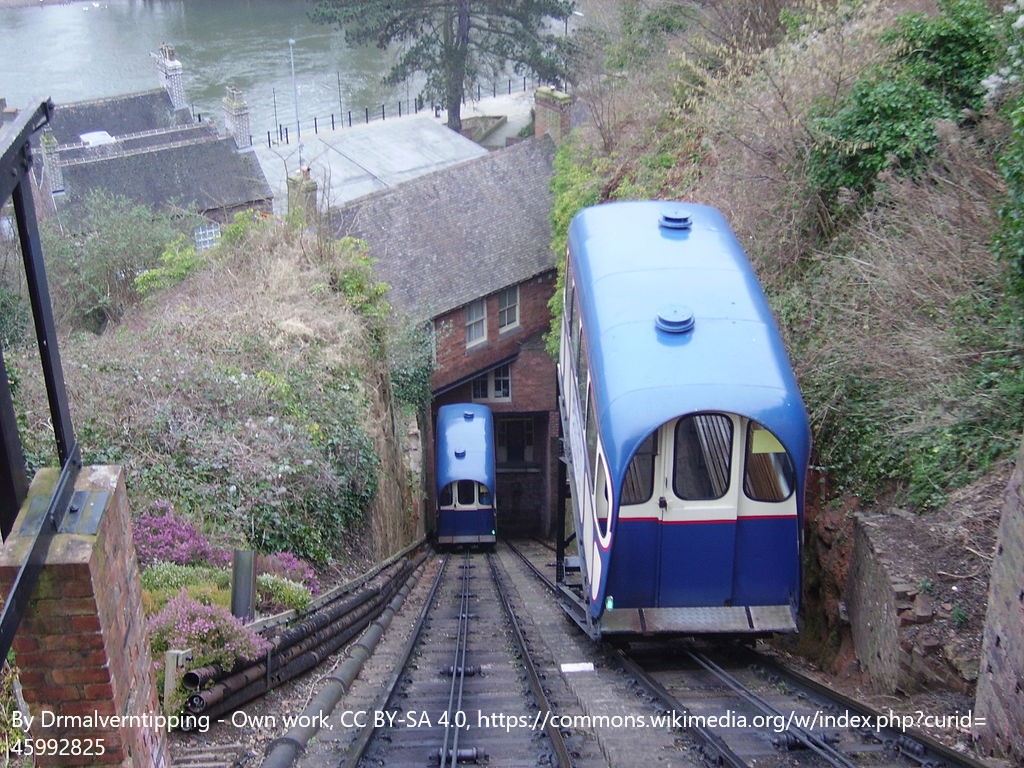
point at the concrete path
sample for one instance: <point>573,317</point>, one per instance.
<point>352,162</point>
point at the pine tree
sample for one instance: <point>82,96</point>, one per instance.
<point>456,42</point>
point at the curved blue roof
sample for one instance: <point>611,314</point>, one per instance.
<point>731,359</point>
<point>465,445</point>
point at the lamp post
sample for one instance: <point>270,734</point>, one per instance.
<point>574,13</point>
<point>295,89</point>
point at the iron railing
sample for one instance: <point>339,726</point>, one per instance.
<point>16,186</point>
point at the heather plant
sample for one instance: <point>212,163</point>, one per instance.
<point>161,582</point>
<point>211,632</point>
<point>161,536</point>
<point>277,594</point>
<point>167,575</point>
<point>288,566</point>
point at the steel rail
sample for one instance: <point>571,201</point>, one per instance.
<point>553,733</point>
<point>362,741</point>
<point>912,743</point>
<point>808,739</point>
<point>451,725</point>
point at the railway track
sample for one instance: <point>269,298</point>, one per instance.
<point>460,687</point>
<point>462,695</point>
<point>744,710</point>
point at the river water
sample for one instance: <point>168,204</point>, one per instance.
<point>85,50</point>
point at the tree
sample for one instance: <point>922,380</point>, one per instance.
<point>93,268</point>
<point>454,42</point>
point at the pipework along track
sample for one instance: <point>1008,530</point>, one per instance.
<point>468,692</point>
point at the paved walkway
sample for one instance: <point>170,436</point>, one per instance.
<point>352,162</point>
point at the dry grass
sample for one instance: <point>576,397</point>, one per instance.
<point>892,294</point>
<point>239,395</point>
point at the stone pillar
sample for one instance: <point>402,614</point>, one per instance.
<point>302,197</point>
<point>82,651</point>
<point>172,76</point>
<point>551,113</point>
<point>1000,692</point>
<point>236,118</point>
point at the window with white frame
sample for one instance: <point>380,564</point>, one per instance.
<point>508,308</point>
<point>493,385</point>
<point>476,322</point>
<point>206,236</point>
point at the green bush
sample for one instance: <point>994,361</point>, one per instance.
<point>93,268</point>
<point>1009,241</point>
<point>887,122</point>
<point>950,53</point>
<point>576,184</point>
<point>14,316</point>
<point>175,577</point>
<point>277,594</point>
<point>178,261</point>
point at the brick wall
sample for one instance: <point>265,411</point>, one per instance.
<point>528,497</point>
<point>81,647</point>
<point>551,113</point>
<point>1000,692</point>
<point>455,361</point>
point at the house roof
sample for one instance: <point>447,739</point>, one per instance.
<point>210,173</point>
<point>448,238</point>
<point>117,115</point>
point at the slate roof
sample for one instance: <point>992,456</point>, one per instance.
<point>448,238</point>
<point>210,173</point>
<point>117,115</point>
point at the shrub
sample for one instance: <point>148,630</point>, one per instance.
<point>14,316</point>
<point>288,566</point>
<point>888,121</point>
<point>94,269</point>
<point>950,53</point>
<point>165,575</point>
<point>211,632</point>
<point>163,537</point>
<point>277,594</point>
<point>1009,240</point>
<point>178,261</point>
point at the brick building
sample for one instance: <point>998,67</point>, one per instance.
<point>467,249</point>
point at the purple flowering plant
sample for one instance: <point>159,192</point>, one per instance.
<point>213,634</point>
<point>161,536</point>
<point>289,566</point>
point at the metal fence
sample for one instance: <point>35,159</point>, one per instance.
<point>16,187</point>
<point>286,132</point>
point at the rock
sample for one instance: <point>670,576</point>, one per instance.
<point>924,609</point>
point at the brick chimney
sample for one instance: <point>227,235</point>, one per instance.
<point>172,77</point>
<point>236,118</point>
<point>551,113</point>
<point>302,191</point>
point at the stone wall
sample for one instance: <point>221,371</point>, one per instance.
<point>872,610</point>
<point>1000,693</point>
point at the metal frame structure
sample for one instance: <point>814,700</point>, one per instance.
<point>16,185</point>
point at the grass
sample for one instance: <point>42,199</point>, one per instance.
<point>248,397</point>
<point>896,314</point>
